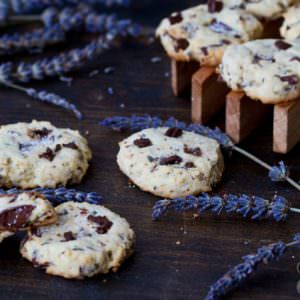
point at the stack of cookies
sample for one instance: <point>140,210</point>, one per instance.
<point>73,240</point>
<point>227,42</point>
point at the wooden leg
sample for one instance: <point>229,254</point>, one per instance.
<point>272,29</point>
<point>181,75</point>
<point>208,95</point>
<point>286,127</point>
<point>243,115</point>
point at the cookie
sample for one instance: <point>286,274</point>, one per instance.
<point>38,154</point>
<point>86,240</point>
<point>24,210</point>
<point>200,35</point>
<point>290,29</point>
<point>266,70</point>
<point>170,162</point>
<point>4,235</point>
<point>263,9</point>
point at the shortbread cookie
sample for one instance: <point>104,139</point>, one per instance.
<point>197,34</point>
<point>169,162</point>
<point>38,154</point>
<point>5,234</point>
<point>265,9</point>
<point>266,70</point>
<point>290,28</point>
<point>24,210</point>
<point>86,240</point>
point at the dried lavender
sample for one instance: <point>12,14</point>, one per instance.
<point>253,207</point>
<point>136,123</point>
<point>61,195</point>
<point>238,274</point>
<point>31,41</point>
<point>279,173</point>
<point>46,97</point>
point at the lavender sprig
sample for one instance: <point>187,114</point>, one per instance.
<point>31,41</point>
<point>253,207</point>
<point>61,195</point>
<point>46,97</point>
<point>238,274</point>
<point>279,173</point>
<point>136,123</point>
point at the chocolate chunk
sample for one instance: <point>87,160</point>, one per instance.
<point>16,217</point>
<point>174,132</point>
<point>204,50</point>
<point>39,133</point>
<point>194,151</point>
<point>103,222</point>
<point>214,6</point>
<point>171,160</point>
<point>189,165</point>
<point>142,143</point>
<point>49,154</point>
<point>280,44</point>
<point>181,44</point>
<point>175,18</point>
<point>295,58</point>
<point>291,79</point>
<point>71,145</point>
<point>257,58</point>
<point>220,27</point>
<point>57,148</point>
<point>69,236</point>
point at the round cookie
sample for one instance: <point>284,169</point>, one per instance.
<point>86,240</point>
<point>266,70</point>
<point>25,210</point>
<point>38,154</point>
<point>169,162</point>
<point>263,9</point>
<point>290,29</point>
<point>197,34</point>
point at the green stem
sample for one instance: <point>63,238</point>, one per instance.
<point>263,164</point>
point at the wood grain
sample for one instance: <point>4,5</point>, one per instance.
<point>161,268</point>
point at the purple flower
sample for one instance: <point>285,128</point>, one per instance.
<point>279,173</point>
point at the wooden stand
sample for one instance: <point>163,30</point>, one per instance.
<point>181,75</point>
<point>208,95</point>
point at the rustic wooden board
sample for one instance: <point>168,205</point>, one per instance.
<point>161,268</point>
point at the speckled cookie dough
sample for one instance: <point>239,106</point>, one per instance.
<point>202,35</point>
<point>266,70</point>
<point>169,162</point>
<point>25,210</point>
<point>266,9</point>
<point>86,240</point>
<point>38,154</point>
<point>290,29</point>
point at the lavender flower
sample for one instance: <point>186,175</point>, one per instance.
<point>30,41</point>
<point>235,276</point>
<point>279,173</point>
<point>61,195</point>
<point>254,207</point>
<point>136,123</point>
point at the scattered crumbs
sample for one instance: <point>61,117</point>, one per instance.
<point>104,280</point>
<point>67,80</point>
<point>100,97</point>
<point>110,90</point>
<point>246,243</point>
<point>87,133</point>
<point>293,256</point>
<point>28,105</point>
<point>122,105</point>
<point>109,70</point>
<point>94,73</point>
<point>150,40</point>
<point>156,59</point>
<point>195,216</point>
<point>167,74</point>
<point>178,243</point>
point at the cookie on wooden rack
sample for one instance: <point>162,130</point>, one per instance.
<point>266,70</point>
<point>23,211</point>
<point>202,33</point>
<point>38,154</point>
<point>290,28</point>
<point>170,162</point>
<point>86,240</point>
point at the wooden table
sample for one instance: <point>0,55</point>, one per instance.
<point>177,257</point>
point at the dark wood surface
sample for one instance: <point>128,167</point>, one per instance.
<point>178,257</point>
